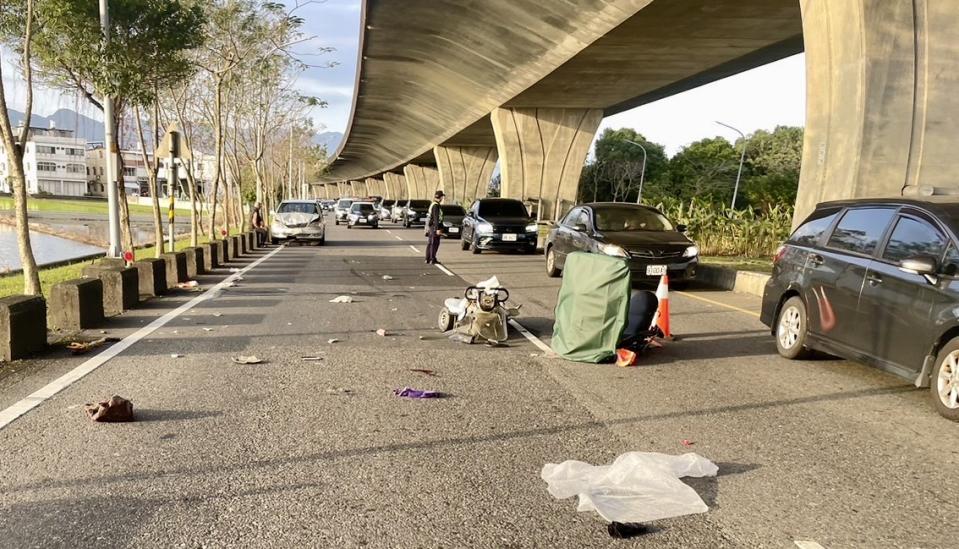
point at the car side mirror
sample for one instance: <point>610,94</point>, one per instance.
<point>921,265</point>
<point>681,228</point>
<point>580,227</point>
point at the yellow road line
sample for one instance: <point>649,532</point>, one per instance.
<point>717,303</point>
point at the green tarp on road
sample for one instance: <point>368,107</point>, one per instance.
<point>593,307</point>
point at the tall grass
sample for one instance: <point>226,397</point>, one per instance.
<point>718,230</point>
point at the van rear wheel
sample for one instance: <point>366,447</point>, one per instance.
<point>791,330</point>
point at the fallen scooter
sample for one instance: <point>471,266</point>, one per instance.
<point>480,315</point>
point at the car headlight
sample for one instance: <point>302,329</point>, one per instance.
<point>532,228</point>
<point>371,216</point>
<point>613,250</point>
<point>447,224</point>
<point>276,224</point>
<point>484,228</point>
<point>691,251</point>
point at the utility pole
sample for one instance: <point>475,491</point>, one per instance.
<point>113,205</point>
<point>289,170</point>
<point>171,186</point>
<point>642,174</point>
<point>742,158</point>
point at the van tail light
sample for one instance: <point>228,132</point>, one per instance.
<point>780,252</point>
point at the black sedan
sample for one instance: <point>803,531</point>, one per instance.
<point>453,215</point>
<point>640,234</point>
<point>499,224</point>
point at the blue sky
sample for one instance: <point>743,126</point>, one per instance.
<point>758,99</point>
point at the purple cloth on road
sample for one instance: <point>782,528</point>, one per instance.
<point>409,392</point>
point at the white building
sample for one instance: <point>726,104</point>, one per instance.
<point>136,180</point>
<point>54,161</point>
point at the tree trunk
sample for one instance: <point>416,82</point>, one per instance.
<point>152,179</point>
<point>218,130</point>
<point>126,233</point>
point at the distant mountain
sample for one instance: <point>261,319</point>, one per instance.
<point>64,119</point>
<point>330,140</point>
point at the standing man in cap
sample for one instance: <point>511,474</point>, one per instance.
<point>434,227</point>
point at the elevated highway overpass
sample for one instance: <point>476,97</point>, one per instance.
<point>444,89</point>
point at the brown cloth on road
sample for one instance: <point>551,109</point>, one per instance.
<point>115,410</point>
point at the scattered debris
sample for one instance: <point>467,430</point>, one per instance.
<point>103,331</point>
<point>207,329</point>
<point>625,358</point>
<point>83,347</point>
<point>252,359</point>
<point>342,299</point>
<point>188,285</point>
<point>332,341</point>
<point>686,442</point>
<point>382,333</point>
<point>176,355</point>
<point>235,270</point>
<point>115,410</point>
<point>409,392</point>
<point>339,391</point>
<point>626,530</point>
<point>289,323</point>
<point>311,358</point>
<point>426,371</point>
<point>637,487</point>
<point>217,314</point>
<point>394,309</point>
<point>387,277</point>
<point>421,338</point>
<point>533,355</point>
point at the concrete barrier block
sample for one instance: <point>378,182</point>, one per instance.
<point>224,249</point>
<point>250,240</point>
<point>175,268</point>
<point>151,273</point>
<point>200,254</point>
<point>236,247</point>
<point>211,255</point>
<point>23,326</point>
<point>244,244</point>
<point>121,287</point>
<point>191,265</point>
<point>744,282</point>
<point>76,304</point>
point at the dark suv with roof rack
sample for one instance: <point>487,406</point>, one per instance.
<point>874,280</point>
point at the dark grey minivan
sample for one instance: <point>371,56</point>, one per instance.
<point>874,280</point>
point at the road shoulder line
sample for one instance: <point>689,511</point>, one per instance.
<point>38,397</point>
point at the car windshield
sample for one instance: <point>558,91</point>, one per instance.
<point>364,207</point>
<point>419,204</point>
<point>297,207</point>
<point>629,218</point>
<point>387,203</point>
<point>344,203</point>
<point>502,208</point>
<point>452,209</point>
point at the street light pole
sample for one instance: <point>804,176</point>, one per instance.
<point>642,174</point>
<point>742,158</point>
<point>109,172</point>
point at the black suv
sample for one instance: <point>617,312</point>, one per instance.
<point>874,281</point>
<point>499,224</point>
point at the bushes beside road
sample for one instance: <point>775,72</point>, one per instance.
<point>720,231</point>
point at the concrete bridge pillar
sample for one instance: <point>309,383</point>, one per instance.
<point>542,151</point>
<point>465,171</point>
<point>881,101</point>
<point>374,187</point>
<point>396,185</point>
<point>357,188</point>
<point>421,181</point>
<point>343,188</point>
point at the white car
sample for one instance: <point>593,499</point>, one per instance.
<point>341,209</point>
<point>299,220</point>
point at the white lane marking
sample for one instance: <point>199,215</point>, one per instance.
<point>30,402</point>
<point>444,269</point>
<point>414,249</point>
<point>535,340</point>
<point>806,544</point>
<point>396,236</point>
<point>389,231</point>
<point>707,300</point>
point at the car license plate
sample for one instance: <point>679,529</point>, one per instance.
<point>454,230</point>
<point>509,238</point>
<point>422,220</point>
<point>655,270</point>
<point>360,220</point>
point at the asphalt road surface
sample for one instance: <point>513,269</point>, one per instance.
<point>319,453</point>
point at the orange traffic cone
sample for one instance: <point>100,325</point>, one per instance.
<point>661,318</point>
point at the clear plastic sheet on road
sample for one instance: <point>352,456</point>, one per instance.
<point>592,308</point>
<point>636,487</point>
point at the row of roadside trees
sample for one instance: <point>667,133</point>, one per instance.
<point>705,170</point>
<point>223,70</point>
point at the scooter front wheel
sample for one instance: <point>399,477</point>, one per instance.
<point>445,320</point>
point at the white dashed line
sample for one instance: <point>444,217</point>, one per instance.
<point>806,544</point>
<point>23,406</point>
<point>397,237</point>
<point>412,247</point>
<point>445,270</point>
